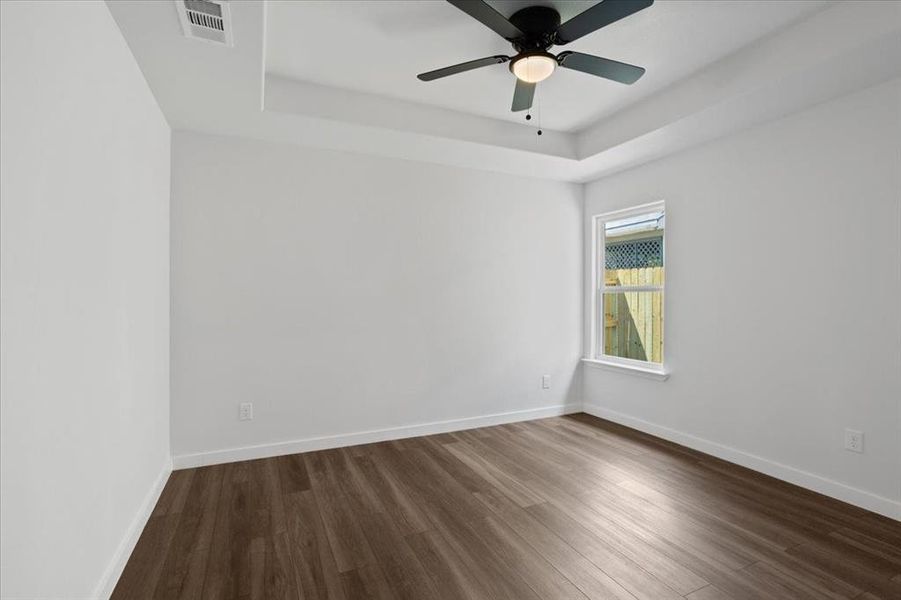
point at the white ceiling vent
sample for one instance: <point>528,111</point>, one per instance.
<point>207,20</point>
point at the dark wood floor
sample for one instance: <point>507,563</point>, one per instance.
<point>570,507</point>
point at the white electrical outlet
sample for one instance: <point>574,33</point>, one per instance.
<point>545,382</point>
<point>245,411</point>
<point>853,440</point>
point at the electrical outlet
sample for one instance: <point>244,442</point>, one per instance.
<point>245,411</point>
<point>545,382</point>
<point>853,440</point>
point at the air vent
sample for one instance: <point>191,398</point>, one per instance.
<point>206,20</point>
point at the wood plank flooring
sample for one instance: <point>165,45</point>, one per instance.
<point>565,508</point>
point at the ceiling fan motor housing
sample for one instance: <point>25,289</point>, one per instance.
<point>539,24</point>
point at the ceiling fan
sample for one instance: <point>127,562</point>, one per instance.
<point>535,30</point>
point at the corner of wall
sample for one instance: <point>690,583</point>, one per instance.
<point>586,276</point>
<point>120,558</point>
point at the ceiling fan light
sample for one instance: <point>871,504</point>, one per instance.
<point>533,68</point>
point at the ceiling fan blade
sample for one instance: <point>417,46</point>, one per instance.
<point>601,67</point>
<point>599,15</point>
<point>522,95</point>
<point>467,66</point>
<point>490,18</point>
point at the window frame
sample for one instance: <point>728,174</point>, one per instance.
<point>598,288</point>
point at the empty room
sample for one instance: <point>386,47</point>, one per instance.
<point>450,299</point>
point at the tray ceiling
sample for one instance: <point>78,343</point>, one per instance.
<point>379,47</point>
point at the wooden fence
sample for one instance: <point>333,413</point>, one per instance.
<point>633,321</point>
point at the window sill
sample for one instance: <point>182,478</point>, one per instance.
<point>649,372</point>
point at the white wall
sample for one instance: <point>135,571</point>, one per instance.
<point>85,298</point>
<point>783,294</point>
<point>343,293</point>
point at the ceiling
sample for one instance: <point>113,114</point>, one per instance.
<point>379,47</point>
<point>340,76</point>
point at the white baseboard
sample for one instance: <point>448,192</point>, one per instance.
<point>200,459</point>
<point>127,545</point>
<point>840,491</point>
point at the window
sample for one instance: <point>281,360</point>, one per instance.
<point>628,280</point>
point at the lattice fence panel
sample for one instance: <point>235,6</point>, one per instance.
<point>634,254</point>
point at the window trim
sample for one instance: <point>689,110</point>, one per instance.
<point>596,355</point>
<point>641,369</point>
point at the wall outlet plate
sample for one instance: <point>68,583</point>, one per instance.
<point>853,440</point>
<point>245,411</point>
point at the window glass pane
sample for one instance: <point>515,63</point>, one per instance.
<point>633,250</point>
<point>633,325</point>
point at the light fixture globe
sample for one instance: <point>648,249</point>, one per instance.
<point>533,67</point>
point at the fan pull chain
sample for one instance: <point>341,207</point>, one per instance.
<point>529,116</point>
